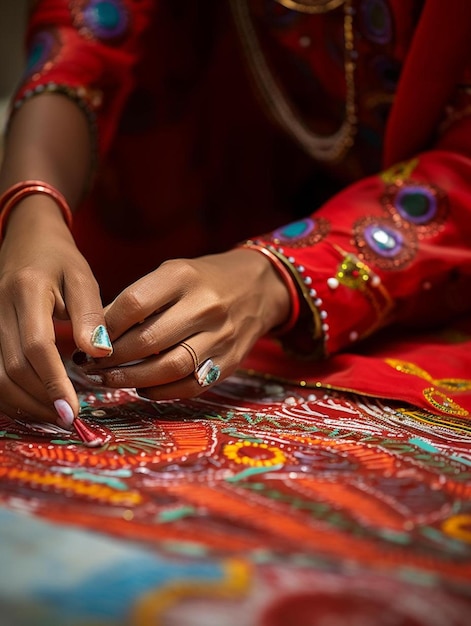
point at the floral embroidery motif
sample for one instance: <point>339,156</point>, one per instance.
<point>300,234</point>
<point>254,454</point>
<point>354,274</point>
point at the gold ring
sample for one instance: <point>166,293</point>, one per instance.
<point>192,353</point>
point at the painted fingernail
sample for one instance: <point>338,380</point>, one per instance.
<point>81,358</point>
<point>100,339</point>
<point>66,415</point>
<point>96,379</point>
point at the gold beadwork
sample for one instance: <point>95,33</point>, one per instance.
<point>449,384</point>
<point>399,172</point>
<point>442,402</point>
<point>311,6</point>
<point>329,148</point>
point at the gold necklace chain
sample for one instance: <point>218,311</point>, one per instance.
<point>328,148</point>
<point>311,6</point>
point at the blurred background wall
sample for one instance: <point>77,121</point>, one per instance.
<point>12,21</point>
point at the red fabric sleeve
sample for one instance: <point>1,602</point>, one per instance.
<point>87,51</point>
<point>392,248</point>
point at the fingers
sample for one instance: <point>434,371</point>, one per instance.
<point>202,302</point>
<point>168,375</point>
<point>33,362</point>
<point>16,402</point>
<point>152,295</point>
<point>85,310</point>
<point>38,281</point>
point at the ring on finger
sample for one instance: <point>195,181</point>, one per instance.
<point>192,353</point>
<point>207,373</point>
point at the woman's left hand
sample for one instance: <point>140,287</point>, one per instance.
<point>218,305</point>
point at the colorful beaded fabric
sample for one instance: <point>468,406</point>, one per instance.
<point>287,501</point>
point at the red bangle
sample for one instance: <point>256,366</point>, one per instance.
<point>288,281</point>
<point>17,192</point>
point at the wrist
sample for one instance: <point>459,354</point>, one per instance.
<point>20,191</point>
<point>284,305</point>
<point>35,213</point>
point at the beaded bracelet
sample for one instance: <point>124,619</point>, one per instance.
<point>17,192</point>
<point>288,281</point>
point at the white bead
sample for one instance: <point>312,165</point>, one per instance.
<point>318,302</point>
<point>307,280</point>
<point>323,315</point>
<point>333,283</point>
<point>353,335</point>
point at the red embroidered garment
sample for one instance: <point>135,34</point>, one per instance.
<point>215,125</point>
<point>320,507</point>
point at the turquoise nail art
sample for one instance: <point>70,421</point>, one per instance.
<point>101,339</point>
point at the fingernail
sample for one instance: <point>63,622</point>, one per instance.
<point>66,415</point>
<point>81,358</point>
<point>101,339</point>
<point>96,379</point>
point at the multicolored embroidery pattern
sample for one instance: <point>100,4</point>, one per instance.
<point>259,466</point>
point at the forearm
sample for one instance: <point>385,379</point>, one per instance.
<point>49,140</point>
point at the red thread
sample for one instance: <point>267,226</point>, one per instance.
<point>90,435</point>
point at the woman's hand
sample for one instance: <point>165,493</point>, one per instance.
<point>218,305</point>
<point>42,275</point>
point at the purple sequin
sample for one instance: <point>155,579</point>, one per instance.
<point>377,21</point>
<point>416,204</point>
<point>42,49</point>
<point>383,240</point>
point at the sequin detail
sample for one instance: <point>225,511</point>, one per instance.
<point>380,241</point>
<point>42,52</point>
<point>300,234</point>
<point>377,21</point>
<point>101,19</point>
<point>423,206</point>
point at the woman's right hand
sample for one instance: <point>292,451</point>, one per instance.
<point>42,275</point>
